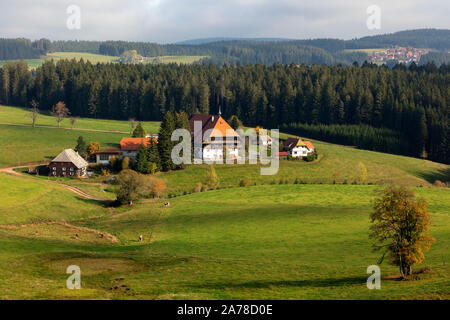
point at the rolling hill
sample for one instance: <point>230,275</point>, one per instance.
<point>295,235</point>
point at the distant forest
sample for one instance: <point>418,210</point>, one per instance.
<point>400,110</point>
<point>320,51</point>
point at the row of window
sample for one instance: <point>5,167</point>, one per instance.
<point>63,169</point>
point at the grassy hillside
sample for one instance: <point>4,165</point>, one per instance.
<point>333,159</point>
<point>92,57</point>
<point>16,115</point>
<point>99,58</point>
<point>282,242</point>
<point>21,145</point>
<point>25,200</point>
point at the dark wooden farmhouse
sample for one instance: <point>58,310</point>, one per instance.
<point>68,164</point>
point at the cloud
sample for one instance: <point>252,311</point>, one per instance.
<point>174,20</point>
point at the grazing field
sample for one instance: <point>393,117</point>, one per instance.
<point>25,199</point>
<point>335,163</point>
<point>22,145</point>
<point>91,57</point>
<point>99,58</point>
<point>16,115</point>
<point>178,59</point>
<point>259,242</point>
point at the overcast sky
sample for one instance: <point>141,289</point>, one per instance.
<point>167,21</point>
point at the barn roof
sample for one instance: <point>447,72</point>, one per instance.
<point>69,155</point>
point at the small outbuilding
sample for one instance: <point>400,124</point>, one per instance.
<point>68,164</point>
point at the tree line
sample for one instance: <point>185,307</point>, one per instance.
<point>15,49</point>
<point>412,101</point>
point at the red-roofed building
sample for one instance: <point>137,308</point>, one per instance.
<point>130,146</point>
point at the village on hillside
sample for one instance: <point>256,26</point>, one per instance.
<point>398,54</point>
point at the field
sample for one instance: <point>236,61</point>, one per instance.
<point>14,115</point>
<point>91,57</point>
<point>295,235</point>
<point>179,59</point>
<point>282,242</point>
<point>99,58</point>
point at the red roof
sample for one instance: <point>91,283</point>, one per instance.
<point>309,145</point>
<point>134,143</point>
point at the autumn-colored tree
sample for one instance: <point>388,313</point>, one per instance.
<point>362,173</point>
<point>132,186</point>
<point>158,188</point>
<point>60,112</point>
<point>211,179</point>
<point>399,228</point>
<point>125,163</point>
<point>93,148</point>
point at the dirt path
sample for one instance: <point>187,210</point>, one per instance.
<point>75,190</point>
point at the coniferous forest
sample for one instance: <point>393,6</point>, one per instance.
<point>400,110</point>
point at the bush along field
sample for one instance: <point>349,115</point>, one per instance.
<point>300,234</point>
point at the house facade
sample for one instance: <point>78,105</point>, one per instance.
<point>104,156</point>
<point>212,137</point>
<point>297,148</point>
<point>68,164</point>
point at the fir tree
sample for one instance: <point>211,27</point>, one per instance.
<point>165,144</point>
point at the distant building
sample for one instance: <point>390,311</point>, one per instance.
<point>130,146</point>
<point>104,156</point>
<point>297,148</point>
<point>68,164</point>
<point>215,135</point>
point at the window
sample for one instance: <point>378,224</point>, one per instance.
<point>54,168</point>
<point>71,169</point>
<point>104,157</point>
<point>63,169</point>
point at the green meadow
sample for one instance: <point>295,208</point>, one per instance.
<point>294,235</point>
<point>258,242</point>
<point>14,115</point>
<point>99,58</point>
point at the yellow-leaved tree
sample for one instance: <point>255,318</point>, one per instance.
<point>399,228</point>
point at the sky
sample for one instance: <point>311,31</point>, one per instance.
<point>167,21</point>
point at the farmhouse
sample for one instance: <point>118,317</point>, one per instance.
<point>67,164</point>
<point>216,135</point>
<point>104,156</point>
<point>130,146</point>
<point>297,148</point>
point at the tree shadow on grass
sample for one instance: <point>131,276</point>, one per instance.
<point>431,176</point>
<point>322,283</point>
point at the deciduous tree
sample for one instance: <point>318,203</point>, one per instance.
<point>399,228</point>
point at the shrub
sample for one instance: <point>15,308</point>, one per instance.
<point>245,183</point>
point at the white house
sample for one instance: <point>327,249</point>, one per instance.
<point>296,148</point>
<point>215,135</point>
